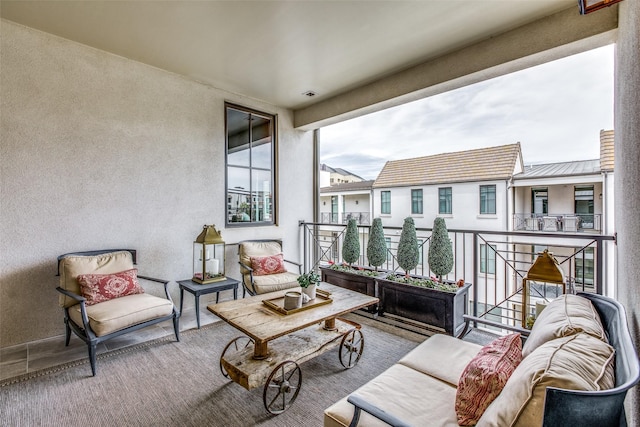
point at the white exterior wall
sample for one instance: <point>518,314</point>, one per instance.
<point>99,152</point>
<point>465,206</point>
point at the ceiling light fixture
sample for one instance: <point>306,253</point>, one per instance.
<point>588,6</point>
<point>309,93</point>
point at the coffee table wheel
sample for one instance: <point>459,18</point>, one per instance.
<point>282,387</point>
<point>234,346</point>
<point>351,348</point>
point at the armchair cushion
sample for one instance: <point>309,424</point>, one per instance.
<point>120,313</point>
<point>98,288</point>
<point>265,265</point>
<point>272,282</point>
<point>73,265</point>
<point>257,248</point>
<point>485,376</point>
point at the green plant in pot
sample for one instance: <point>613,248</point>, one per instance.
<point>308,282</point>
<point>408,253</point>
<point>440,250</point>
<point>351,244</point>
<point>377,247</point>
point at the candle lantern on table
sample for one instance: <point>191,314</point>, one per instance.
<point>208,256</point>
<point>544,281</point>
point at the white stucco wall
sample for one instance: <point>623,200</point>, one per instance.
<point>465,206</point>
<point>98,151</point>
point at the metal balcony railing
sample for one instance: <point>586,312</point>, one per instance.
<point>495,262</point>
<point>566,223</point>
<point>362,218</point>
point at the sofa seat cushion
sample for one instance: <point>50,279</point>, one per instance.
<point>576,362</point>
<point>73,265</point>
<point>418,399</point>
<point>119,313</point>
<point>442,357</point>
<point>272,282</point>
<point>566,315</point>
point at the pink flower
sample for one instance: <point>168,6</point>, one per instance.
<point>331,262</point>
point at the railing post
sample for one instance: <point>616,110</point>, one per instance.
<point>599,263</point>
<point>475,275</point>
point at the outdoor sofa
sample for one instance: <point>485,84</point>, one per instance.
<point>579,342</point>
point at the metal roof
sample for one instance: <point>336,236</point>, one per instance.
<point>581,167</point>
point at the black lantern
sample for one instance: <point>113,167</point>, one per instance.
<point>208,256</point>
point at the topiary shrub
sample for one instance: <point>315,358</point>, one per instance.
<point>377,247</point>
<point>408,253</point>
<point>351,245</point>
<point>440,250</point>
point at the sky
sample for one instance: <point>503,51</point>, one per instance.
<point>555,110</point>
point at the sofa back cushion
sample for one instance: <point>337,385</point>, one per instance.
<point>72,266</point>
<point>576,362</point>
<point>485,376</point>
<point>566,315</point>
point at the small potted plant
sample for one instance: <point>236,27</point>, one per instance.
<point>377,247</point>
<point>440,250</point>
<point>351,245</point>
<point>308,282</point>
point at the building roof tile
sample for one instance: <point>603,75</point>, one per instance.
<point>484,164</point>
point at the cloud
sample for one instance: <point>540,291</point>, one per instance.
<point>556,111</point>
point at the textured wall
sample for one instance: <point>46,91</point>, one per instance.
<point>627,178</point>
<point>98,151</point>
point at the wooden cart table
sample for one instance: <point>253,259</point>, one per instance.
<point>256,359</point>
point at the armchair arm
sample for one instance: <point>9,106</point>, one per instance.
<point>299,265</point>
<point>362,405</point>
<point>162,281</point>
<point>252,291</point>
<point>83,307</point>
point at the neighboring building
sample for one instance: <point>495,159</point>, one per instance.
<point>334,176</point>
<point>467,188</point>
<point>339,203</point>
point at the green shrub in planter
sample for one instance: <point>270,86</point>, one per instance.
<point>440,250</point>
<point>351,245</point>
<point>408,253</point>
<point>377,247</point>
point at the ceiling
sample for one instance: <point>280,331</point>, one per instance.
<point>276,51</point>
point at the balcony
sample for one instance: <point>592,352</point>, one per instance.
<point>362,218</point>
<point>563,223</point>
<point>495,262</point>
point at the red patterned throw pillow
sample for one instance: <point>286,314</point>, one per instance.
<point>98,288</point>
<point>265,265</point>
<point>485,376</point>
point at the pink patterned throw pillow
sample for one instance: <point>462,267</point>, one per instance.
<point>485,376</point>
<point>98,288</point>
<point>265,265</point>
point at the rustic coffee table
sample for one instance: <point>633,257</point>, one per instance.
<point>278,340</point>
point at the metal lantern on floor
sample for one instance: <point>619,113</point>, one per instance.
<point>544,281</point>
<point>208,256</point>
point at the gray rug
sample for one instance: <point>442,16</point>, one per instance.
<point>166,383</point>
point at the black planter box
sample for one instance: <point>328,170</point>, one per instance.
<point>430,306</point>
<point>352,281</point>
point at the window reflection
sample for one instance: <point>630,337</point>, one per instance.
<point>250,167</point>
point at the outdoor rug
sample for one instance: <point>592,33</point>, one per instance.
<point>169,383</point>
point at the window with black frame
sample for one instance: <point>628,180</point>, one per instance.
<point>250,166</point>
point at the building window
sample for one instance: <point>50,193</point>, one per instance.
<point>584,268</point>
<point>584,205</point>
<point>539,201</point>
<point>487,199</point>
<point>385,202</point>
<point>488,259</point>
<point>250,166</point>
<point>387,242</point>
<point>444,200</point>
<point>416,201</point>
<point>334,209</point>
